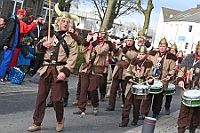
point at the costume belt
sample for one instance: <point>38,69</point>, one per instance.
<point>54,63</point>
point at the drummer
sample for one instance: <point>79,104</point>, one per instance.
<point>168,98</point>
<point>189,66</point>
<point>164,64</point>
<point>138,71</point>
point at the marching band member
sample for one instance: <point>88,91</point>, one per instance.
<point>60,54</point>
<point>92,69</point>
<point>188,77</point>
<point>164,64</point>
<point>168,98</point>
<point>125,55</point>
<point>139,70</point>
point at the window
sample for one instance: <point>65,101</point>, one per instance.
<point>186,45</point>
<point>190,28</point>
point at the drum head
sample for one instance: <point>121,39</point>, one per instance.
<point>171,86</point>
<point>140,86</point>
<point>192,93</point>
<point>157,84</point>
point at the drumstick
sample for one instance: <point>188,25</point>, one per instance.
<point>183,88</point>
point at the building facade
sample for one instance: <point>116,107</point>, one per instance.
<point>181,27</point>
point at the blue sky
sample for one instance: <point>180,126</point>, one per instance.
<point>174,4</point>
<point>138,19</point>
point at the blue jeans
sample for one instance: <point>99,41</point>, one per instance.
<point>8,54</point>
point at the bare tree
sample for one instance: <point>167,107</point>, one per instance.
<point>118,8</point>
<point>147,14</point>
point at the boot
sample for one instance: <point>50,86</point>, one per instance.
<point>123,124</point>
<point>50,104</point>
<point>167,111</point>
<point>89,102</point>
<point>65,103</point>
<point>75,102</point>
<point>102,98</point>
<point>134,122</point>
<point>34,128</point>
<point>95,110</point>
<point>60,125</point>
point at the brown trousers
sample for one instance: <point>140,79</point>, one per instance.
<point>129,100</point>
<point>78,90</point>
<point>188,116</point>
<point>113,91</point>
<point>157,104</point>
<point>103,84</point>
<point>89,82</point>
<point>168,100</point>
<point>58,90</point>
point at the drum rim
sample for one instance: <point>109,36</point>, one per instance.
<point>188,105</point>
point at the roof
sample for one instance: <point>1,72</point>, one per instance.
<point>190,15</point>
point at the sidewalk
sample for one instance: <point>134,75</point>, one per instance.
<point>165,124</point>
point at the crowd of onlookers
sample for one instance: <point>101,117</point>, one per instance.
<point>18,36</point>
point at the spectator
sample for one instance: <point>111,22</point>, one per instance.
<point>11,39</point>
<point>25,55</point>
<point>2,27</point>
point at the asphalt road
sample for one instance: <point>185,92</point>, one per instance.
<point>16,112</point>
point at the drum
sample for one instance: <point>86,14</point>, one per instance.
<point>191,98</point>
<point>171,89</point>
<point>140,89</point>
<point>156,88</point>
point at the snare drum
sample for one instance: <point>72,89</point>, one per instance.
<point>156,88</point>
<point>171,89</point>
<point>140,89</point>
<point>191,98</point>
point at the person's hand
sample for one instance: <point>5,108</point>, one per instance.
<point>5,47</point>
<point>181,84</point>
<point>167,78</point>
<point>150,81</point>
<point>117,46</point>
<point>48,43</point>
<point>61,76</point>
<point>89,37</point>
<point>131,80</point>
<point>124,45</point>
<point>95,36</point>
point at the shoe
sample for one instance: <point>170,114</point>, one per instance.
<point>65,103</point>
<point>75,102</point>
<point>155,116</point>
<point>107,96</point>
<point>50,104</point>
<point>95,111</point>
<point>102,98</point>
<point>34,128</point>
<point>167,111</point>
<point>78,112</point>
<point>89,102</point>
<point>123,124</point>
<point>2,81</point>
<point>180,132</point>
<point>122,106</point>
<point>109,109</point>
<point>142,117</point>
<point>134,122</point>
<point>60,125</point>
<point>192,131</point>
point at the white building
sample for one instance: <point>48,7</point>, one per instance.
<point>181,27</point>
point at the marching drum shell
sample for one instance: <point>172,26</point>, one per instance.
<point>171,89</point>
<point>156,88</point>
<point>140,89</point>
<point>191,98</point>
